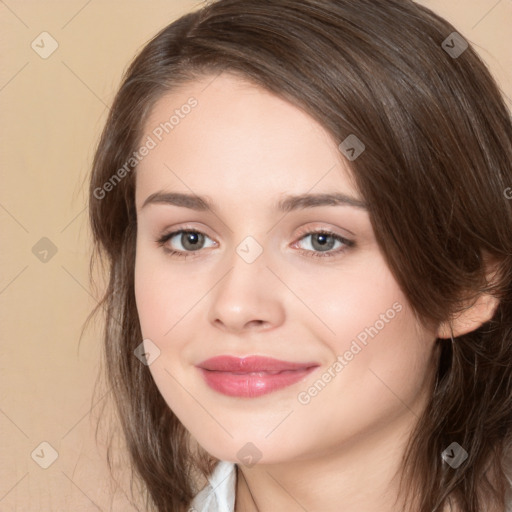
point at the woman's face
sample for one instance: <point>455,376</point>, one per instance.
<point>255,280</point>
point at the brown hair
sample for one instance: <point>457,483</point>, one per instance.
<point>437,163</point>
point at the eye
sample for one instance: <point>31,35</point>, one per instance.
<point>322,242</point>
<point>190,241</point>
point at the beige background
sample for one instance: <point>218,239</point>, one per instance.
<point>52,113</point>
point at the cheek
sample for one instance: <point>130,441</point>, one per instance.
<point>164,292</point>
<point>352,302</point>
<point>369,383</point>
<point>163,300</point>
<point>374,336</point>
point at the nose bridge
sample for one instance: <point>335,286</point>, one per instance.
<point>248,267</point>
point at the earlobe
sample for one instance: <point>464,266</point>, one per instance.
<point>470,318</point>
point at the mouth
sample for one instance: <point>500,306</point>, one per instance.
<point>252,376</point>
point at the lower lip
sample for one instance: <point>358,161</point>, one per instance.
<point>254,384</point>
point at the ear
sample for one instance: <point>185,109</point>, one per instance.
<point>475,312</point>
<point>470,318</point>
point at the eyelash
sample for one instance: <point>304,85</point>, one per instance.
<point>161,241</point>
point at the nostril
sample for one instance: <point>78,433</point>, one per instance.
<point>259,323</point>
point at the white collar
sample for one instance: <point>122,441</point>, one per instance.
<point>219,493</point>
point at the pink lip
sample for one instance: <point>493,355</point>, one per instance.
<point>251,376</point>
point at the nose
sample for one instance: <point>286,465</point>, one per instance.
<point>248,297</point>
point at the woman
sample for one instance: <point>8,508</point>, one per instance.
<point>303,207</point>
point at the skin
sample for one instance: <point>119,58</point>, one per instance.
<point>245,149</point>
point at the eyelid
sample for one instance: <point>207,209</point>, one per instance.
<point>322,229</point>
<point>187,228</point>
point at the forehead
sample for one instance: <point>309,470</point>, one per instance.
<point>222,133</point>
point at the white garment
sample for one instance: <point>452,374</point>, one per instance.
<point>219,494</point>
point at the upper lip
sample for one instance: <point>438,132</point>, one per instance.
<point>226,363</point>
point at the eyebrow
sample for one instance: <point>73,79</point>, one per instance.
<point>287,204</point>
